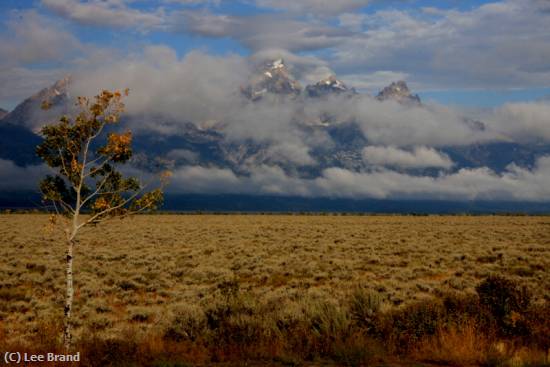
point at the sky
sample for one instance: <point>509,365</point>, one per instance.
<point>471,53</point>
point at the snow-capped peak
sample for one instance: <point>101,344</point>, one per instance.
<point>327,86</point>
<point>277,64</point>
<point>272,77</point>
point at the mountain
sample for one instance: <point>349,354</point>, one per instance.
<point>195,145</point>
<point>56,96</point>
<point>327,86</point>
<point>273,77</point>
<point>3,113</point>
<point>18,144</point>
<point>398,91</point>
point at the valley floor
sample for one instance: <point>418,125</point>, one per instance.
<point>287,289</point>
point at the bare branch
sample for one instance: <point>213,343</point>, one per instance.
<point>108,210</point>
<point>63,161</point>
<point>127,214</point>
<point>99,166</point>
<point>65,206</point>
<point>97,189</point>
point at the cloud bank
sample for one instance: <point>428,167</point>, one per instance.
<point>515,184</point>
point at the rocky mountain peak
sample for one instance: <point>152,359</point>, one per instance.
<point>26,112</point>
<point>272,77</point>
<point>328,86</point>
<point>398,91</point>
<point>60,87</point>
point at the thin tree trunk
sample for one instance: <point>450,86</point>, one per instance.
<point>69,296</point>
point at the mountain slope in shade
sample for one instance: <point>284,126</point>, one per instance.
<point>3,113</point>
<point>26,112</point>
<point>18,144</point>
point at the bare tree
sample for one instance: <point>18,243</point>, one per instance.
<point>87,188</point>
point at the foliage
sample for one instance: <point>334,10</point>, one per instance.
<point>87,178</point>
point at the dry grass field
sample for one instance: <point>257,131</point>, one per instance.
<point>177,280</point>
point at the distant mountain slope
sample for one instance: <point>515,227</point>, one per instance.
<point>191,144</point>
<point>17,144</point>
<point>3,113</point>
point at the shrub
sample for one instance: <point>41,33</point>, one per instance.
<point>505,301</point>
<point>364,306</point>
<point>405,327</point>
<point>188,323</point>
<point>127,285</point>
<point>140,314</point>
<point>538,325</point>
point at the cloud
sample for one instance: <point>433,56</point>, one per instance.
<point>112,13</point>
<point>183,154</point>
<point>466,184</point>
<point>317,7</point>
<point>419,157</point>
<point>393,123</point>
<point>167,92</point>
<point>496,45</point>
<point>30,38</point>
<point>259,32</point>
<point>198,88</point>
<point>13,177</point>
<point>525,122</point>
<point>515,183</point>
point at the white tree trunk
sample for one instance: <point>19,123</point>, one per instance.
<point>68,297</point>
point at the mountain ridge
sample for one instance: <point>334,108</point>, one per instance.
<point>197,145</point>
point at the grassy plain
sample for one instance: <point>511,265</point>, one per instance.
<point>174,277</point>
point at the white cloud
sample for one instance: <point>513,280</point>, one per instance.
<point>393,123</point>
<point>419,157</point>
<point>317,7</point>
<point>13,177</point>
<point>112,13</point>
<point>496,45</point>
<point>30,38</point>
<point>525,122</point>
<point>261,32</point>
<point>467,184</point>
<point>197,88</point>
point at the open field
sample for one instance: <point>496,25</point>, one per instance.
<point>149,273</point>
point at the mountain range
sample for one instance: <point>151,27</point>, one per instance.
<point>199,145</point>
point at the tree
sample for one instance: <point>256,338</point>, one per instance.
<point>87,187</point>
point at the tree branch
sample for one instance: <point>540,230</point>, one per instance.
<point>108,210</point>
<point>97,189</point>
